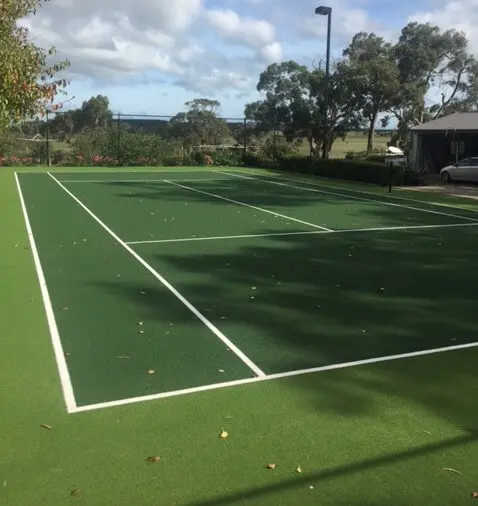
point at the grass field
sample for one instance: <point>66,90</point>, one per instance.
<point>325,326</point>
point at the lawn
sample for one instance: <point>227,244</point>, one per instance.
<point>326,326</point>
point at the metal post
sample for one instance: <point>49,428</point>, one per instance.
<point>47,140</point>
<point>327,94</point>
<point>118,154</point>
<point>244,147</point>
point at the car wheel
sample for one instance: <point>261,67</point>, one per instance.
<point>445,177</point>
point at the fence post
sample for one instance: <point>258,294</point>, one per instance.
<point>47,140</point>
<point>244,147</point>
<point>118,153</point>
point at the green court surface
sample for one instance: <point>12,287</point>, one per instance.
<point>332,326</point>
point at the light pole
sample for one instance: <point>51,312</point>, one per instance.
<point>326,11</point>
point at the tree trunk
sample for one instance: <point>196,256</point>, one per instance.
<point>371,133</point>
<point>312,144</point>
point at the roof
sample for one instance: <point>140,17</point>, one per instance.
<point>459,121</point>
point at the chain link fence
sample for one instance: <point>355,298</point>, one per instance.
<point>77,138</point>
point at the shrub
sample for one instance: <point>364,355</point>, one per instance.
<point>354,170</point>
<point>15,161</point>
<point>410,177</point>
<point>227,158</point>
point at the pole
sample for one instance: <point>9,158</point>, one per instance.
<point>326,95</point>
<point>47,140</point>
<point>244,147</point>
<point>118,153</point>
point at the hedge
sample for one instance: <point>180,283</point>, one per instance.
<point>353,170</point>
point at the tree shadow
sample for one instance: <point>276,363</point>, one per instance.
<point>241,497</point>
<point>300,302</point>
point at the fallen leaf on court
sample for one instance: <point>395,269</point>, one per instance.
<point>67,354</point>
<point>75,492</point>
<point>221,371</point>
<point>270,466</point>
<point>140,324</point>
<point>474,495</point>
<point>381,290</point>
<point>223,434</point>
<point>142,293</point>
<point>151,371</point>
<point>123,357</point>
<point>427,432</point>
<point>311,487</point>
<point>155,458</point>
<point>141,331</point>
<point>298,470</point>
<point>452,470</point>
<point>253,288</point>
<point>252,297</point>
<point>43,426</point>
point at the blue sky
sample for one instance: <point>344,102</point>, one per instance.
<point>149,57</point>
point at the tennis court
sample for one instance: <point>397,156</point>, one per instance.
<point>169,283</point>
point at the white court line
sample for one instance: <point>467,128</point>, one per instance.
<point>353,197</point>
<point>119,181</point>
<point>67,388</point>
<point>249,205</point>
<point>406,199</point>
<point>168,285</point>
<point>312,232</point>
<point>301,372</point>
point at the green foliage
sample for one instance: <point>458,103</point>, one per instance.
<point>27,79</point>
<point>354,170</point>
<point>227,158</point>
<point>373,77</point>
<point>132,149</point>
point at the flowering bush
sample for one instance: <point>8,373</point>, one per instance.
<point>208,160</point>
<point>14,161</point>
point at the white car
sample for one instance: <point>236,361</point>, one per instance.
<point>464,170</point>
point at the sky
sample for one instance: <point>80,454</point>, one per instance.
<point>151,56</point>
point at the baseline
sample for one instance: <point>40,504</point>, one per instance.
<point>301,372</point>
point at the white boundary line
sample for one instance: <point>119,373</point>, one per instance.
<point>353,197</point>
<point>312,232</point>
<point>406,199</point>
<point>251,206</point>
<point>301,372</point>
<point>168,285</point>
<point>67,388</point>
<point>119,181</point>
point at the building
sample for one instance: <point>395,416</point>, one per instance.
<point>443,141</point>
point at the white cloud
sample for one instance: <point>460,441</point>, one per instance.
<point>258,35</point>
<point>346,22</point>
<point>116,41</point>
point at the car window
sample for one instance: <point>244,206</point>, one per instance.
<point>474,162</point>
<point>463,163</point>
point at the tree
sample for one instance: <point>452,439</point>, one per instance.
<point>294,103</point>
<point>290,104</point>
<point>427,57</point>
<point>202,124</point>
<point>27,86</point>
<point>373,77</point>
<point>94,113</point>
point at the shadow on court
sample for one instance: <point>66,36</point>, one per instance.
<point>320,477</point>
<point>305,301</point>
